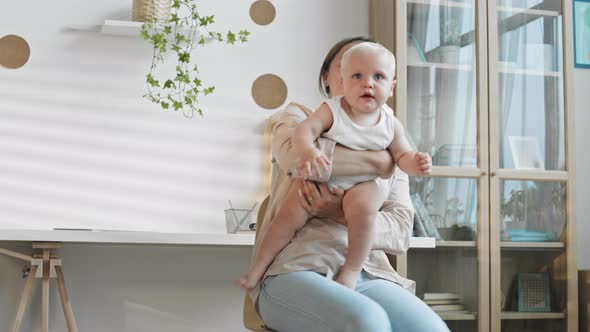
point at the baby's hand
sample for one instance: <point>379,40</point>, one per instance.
<point>423,163</point>
<point>311,161</point>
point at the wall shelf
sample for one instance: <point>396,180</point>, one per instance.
<point>121,28</point>
<point>118,28</point>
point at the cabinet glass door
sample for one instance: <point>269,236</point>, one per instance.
<point>529,177</point>
<point>530,83</point>
<point>441,107</point>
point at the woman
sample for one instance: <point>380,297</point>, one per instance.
<point>298,292</point>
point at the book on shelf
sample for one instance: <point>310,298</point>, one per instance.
<point>420,210</point>
<point>454,312</point>
<point>441,301</point>
<point>448,307</point>
<point>441,296</point>
<point>419,229</point>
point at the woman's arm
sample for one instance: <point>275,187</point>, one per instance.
<point>311,160</point>
<point>344,161</point>
<point>351,162</point>
<point>395,221</point>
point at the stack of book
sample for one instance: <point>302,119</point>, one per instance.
<point>445,303</point>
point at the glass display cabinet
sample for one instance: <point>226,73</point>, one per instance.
<point>482,89</point>
<point>534,288</point>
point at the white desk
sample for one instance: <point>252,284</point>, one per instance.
<point>44,266</point>
<point>153,238</point>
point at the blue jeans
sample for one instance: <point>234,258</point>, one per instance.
<point>308,301</point>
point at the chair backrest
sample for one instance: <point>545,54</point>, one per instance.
<point>252,320</point>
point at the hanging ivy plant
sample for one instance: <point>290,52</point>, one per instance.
<point>178,37</point>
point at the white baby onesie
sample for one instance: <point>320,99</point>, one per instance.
<point>345,132</point>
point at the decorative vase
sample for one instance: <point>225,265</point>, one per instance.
<point>444,54</point>
<point>146,10</point>
<point>448,54</point>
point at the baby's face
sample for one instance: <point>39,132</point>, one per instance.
<point>368,80</point>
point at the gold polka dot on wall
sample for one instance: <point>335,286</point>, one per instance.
<point>269,91</point>
<point>14,51</point>
<point>262,12</point>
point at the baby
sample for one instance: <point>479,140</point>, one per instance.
<point>359,120</point>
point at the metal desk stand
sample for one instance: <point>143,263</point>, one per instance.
<point>44,265</point>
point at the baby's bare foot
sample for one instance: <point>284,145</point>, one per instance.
<point>248,281</point>
<point>348,277</point>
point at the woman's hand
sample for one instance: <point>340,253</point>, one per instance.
<point>320,201</point>
<point>386,164</point>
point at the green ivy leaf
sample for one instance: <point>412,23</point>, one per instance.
<point>243,35</point>
<point>144,34</point>
<point>182,77</point>
<point>177,105</point>
<point>152,82</point>
<point>184,57</point>
<point>209,90</point>
<point>231,37</point>
<point>169,84</point>
<point>206,20</point>
<point>164,105</point>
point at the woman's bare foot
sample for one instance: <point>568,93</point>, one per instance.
<point>348,277</point>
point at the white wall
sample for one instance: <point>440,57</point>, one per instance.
<point>80,148</point>
<point>582,118</point>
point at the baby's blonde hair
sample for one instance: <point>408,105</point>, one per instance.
<point>368,48</point>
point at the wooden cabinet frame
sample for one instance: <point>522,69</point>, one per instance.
<point>388,22</point>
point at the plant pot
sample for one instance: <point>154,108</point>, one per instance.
<point>444,54</point>
<point>449,54</point>
<point>457,233</point>
<point>147,10</point>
